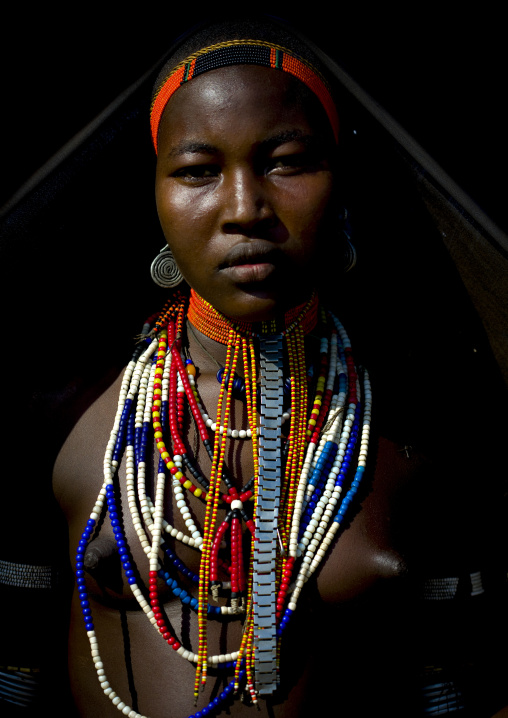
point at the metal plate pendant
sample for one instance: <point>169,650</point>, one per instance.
<point>270,466</point>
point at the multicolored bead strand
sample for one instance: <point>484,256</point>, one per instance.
<point>211,511</point>
<point>326,439</point>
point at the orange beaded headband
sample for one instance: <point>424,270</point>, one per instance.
<point>242,52</point>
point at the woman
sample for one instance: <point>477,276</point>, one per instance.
<point>248,196</point>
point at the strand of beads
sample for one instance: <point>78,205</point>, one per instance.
<point>297,435</point>
<point>176,466</point>
<point>306,526</point>
<point>145,414</point>
<point>178,477</point>
<point>123,437</point>
<point>211,513</point>
<point>320,488</point>
<point>142,426</point>
<point>321,401</point>
<point>328,444</point>
<point>112,456</point>
<point>158,513</point>
<point>246,651</point>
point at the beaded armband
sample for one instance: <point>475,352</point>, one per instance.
<point>22,575</point>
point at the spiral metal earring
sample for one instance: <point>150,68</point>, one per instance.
<point>164,269</point>
<point>349,253</point>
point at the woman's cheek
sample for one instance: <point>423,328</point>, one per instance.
<point>315,213</point>
<point>306,196</point>
<point>185,209</point>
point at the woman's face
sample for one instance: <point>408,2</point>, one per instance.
<point>243,186</point>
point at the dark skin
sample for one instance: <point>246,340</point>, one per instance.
<point>244,197</point>
<point>244,188</point>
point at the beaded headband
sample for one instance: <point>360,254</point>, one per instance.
<point>242,52</point>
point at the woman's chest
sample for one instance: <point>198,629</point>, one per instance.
<point>363,551</point>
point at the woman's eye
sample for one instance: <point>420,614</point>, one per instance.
<point>197,173</point>
<point>293,164</point>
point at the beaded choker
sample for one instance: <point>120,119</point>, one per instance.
<point>216,326</point>
<point>291,508</point>
<point>242,52</point>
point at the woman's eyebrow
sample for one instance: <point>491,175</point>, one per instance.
<point>190,147</point>
<point>288,136</point>
<point>280,138</point>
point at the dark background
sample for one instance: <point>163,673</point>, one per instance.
<point>441,75</point>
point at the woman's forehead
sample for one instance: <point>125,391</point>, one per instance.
<point>227,97</point>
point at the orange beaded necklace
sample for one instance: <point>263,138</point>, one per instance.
<point>216,326</point>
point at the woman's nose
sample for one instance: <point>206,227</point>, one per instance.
<point>246,202</point>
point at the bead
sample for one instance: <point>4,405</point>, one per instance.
<point>320,460</point>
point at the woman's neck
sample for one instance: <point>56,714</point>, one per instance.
<point>208,354</point>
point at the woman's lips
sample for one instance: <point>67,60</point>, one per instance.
<point>253,262</point>
<point>247,273</point>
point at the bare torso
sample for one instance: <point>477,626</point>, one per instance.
<point>331,626</point>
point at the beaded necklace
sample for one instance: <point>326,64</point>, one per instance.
<point>292,507</point>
